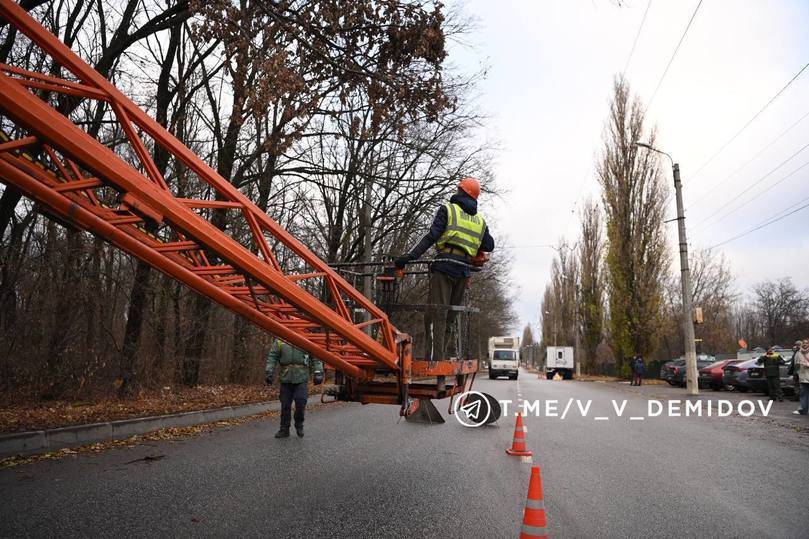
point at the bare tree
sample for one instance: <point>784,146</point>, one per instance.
<point>287,64</point>
<point>713,286</point>
<point>782,309</point>
<point>339,120</point>
<point>747,325</point>
<point>493,293</point>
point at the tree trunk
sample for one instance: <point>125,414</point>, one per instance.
<point>133,330</point>
<point>195,343</point>
<point>240,358</point>
<point>65,315</point>
<point>139,293</point>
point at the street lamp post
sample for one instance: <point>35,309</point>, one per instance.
<point>692,386</point>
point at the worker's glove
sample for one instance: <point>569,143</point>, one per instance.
<point>317,378</point>
<point>402,261</point>
<point>269,378</point>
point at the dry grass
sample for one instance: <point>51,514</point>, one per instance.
<point>163,434</point>
<point>22,414</point>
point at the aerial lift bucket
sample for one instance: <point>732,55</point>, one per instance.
<point>424,411</point>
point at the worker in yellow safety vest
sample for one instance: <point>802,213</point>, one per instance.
<point>460,234</point>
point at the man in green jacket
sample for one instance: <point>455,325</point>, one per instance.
<point>295,366</point>
<point>771,362</point>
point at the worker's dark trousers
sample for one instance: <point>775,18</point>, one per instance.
<point>637,379</point>
<point>774,388</point>
<point>438,320</point>
<point>298,393</point>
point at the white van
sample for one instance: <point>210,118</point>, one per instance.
<point>504,357</point>
<point>559,360</point>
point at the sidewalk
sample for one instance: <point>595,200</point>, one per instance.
<point>20,443</point>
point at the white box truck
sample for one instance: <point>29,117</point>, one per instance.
<point>559,360</point>
<point>504,357</point>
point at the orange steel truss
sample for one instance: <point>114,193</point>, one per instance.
<point>76,178</point>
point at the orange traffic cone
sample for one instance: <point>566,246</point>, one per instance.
<point>534,521</point>
<point>518,447</point>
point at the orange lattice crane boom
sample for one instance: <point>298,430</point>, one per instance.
<point>82,182</point>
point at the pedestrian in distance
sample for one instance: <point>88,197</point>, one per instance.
<point>294,366</point>
<point>772,362</point>
<point>802,369</point>
<point>460,234</point>
<point>632,361</point>
<point>793,368</point>
<point>637,371</point>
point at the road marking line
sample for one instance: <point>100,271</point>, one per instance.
<point>637,418</point>
<point>527,459</point>
<point>601,418</point>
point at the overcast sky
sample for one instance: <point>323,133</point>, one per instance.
<point>550,68</point>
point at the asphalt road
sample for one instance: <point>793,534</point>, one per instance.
<point>361,473</point>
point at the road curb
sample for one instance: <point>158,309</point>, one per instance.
<point>16,443</point>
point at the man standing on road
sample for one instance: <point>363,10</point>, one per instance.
<point>295,368</point>
<point>632,361</point>
<point>771,362</point>
<point>637,370</point>
<point>460,234</point>
<point>793,368</point>
<point>801,363</point>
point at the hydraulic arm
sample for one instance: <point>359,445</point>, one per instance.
<point>252,266</point>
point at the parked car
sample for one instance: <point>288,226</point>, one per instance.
<point>757,379</point>
<point>673,372</point>
<point>670,371</point>
<point>736,375</point>
<point>711,376</point>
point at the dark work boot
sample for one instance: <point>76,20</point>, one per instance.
<point>283,432</point>
<point>299,430</point>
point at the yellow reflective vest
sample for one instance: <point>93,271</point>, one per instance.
<point>463,231</point>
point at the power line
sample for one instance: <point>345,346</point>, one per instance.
<point>750,121</point>
<point>677,48</point>
<point>751,199</point>
<point>767,222</point>
<point>635,42</point>
<point>529,246</point>
<point>702,197</point>
<point>758,181</point>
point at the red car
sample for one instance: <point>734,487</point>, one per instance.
<point>711,376</point>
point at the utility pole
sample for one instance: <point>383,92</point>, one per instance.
<point>576,339</point>
<point>692,385</point>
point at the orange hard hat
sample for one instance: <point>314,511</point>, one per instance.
<point>470,186</point>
